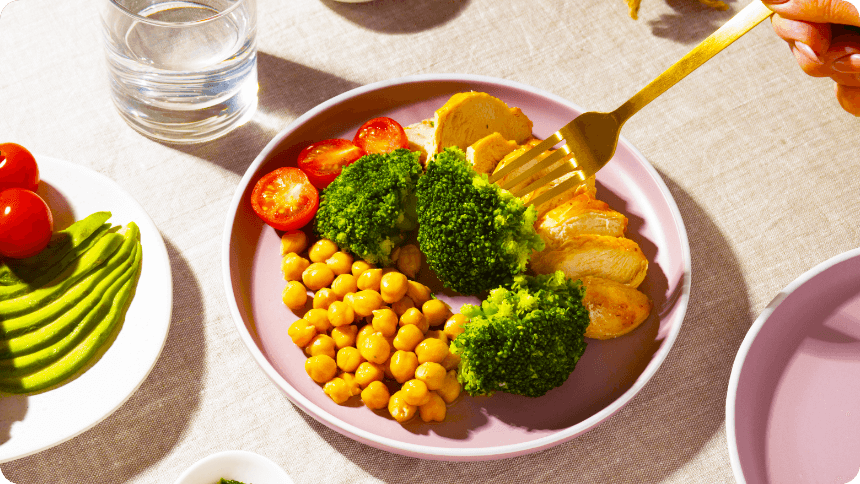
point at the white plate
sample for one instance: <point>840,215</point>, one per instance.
<point>238,465</point>
<point>32,423</point>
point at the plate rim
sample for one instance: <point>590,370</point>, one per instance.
<point>157,252</point>
<point>749,339</point>
<point>450,453</point>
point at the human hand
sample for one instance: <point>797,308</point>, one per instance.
<point>824,36</point>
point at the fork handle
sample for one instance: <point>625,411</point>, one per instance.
<point>751,15</point>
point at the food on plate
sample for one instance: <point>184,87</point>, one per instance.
<point>322,161</point>
<point>486,153</point>
<point>372,334</point>
<point>26,223</point>
<point>616,258</point>
<point>285,198</point>
<point>524,338</point>
<point>613,308</point>
<point>582,214</point>
<point>380,135</point>
<point>474,235</point>
<point>57,322</point>
<point>229,481</point>
<point>18,168</point>
<point>370,207</point>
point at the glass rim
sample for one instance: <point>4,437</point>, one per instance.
<point>163,23</point>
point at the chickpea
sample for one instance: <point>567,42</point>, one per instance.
<point>295,296</point>
<point>392,287</point>
<point>340,313</point>
<point>359,266</point>
<point>419,293</point>
<point>302,332</point>
<point>416,317</point>
<point>403,365</point>
<point>340,263</point>
<point>337,389</point>
<point>323,298</point>
<point>321,344</point>
<point>437,334</point>
<point>319,318</point>
<point>399,409</point>
<point>348,359</point>
<point>344,336</point>
<point>369,279</point>
<point>375,396</point>
<point>363,333</point>
<point>317,276</point>
<point>368,372</point>
<point>399,307</point>
<point>344,284</point>
<point>432,374</point>
<point>415,392</point>
<point>292,266</point>
<point>455,325</point>
<point>451,362</point>
<point>431,349</point>
<point>293,241</point>
<point>434,410</point>
<point>409,260</point>
<point>365,302</point>
<point>450,389</point>
<point>351,382</point>
<point>436,312</point>
<point>385,321</point>
<point>375,348</point>
<point>322,250</point>
<point>408,337</point>
<point>321,368</point>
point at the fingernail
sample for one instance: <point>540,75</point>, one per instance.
<point>848,64</point>
<point>808,52</point>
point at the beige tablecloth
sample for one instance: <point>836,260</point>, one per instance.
<point>759,157</point>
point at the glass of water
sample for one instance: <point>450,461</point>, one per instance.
<point>182,71</point>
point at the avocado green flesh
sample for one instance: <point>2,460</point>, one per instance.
<point>33,300</point>
<point>53,365</point>
<point>54,321</point>
<point>66,245</point>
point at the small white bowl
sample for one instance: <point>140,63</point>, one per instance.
<point>238,465</point>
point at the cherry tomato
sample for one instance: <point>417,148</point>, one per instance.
<point>26,223</point>
<point>381,135</point>
<point>324,160</point>
<point>17,168</point>
<point>285,199</point>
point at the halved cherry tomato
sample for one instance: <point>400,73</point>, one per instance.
<point>324,160</point>
<point>285,199</point>
<point>17,168</point>
<point>381,135</point>
<point>26,223</point>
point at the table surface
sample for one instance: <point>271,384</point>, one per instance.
<point>759,157</point>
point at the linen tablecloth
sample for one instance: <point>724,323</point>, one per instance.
<point>759,157</point>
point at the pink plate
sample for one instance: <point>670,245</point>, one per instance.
<point>608,375</point>
<point>793,405</point>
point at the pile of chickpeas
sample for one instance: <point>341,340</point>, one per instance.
<point>373,333</point>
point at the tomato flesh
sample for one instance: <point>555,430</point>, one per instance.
<point>18,168</point>
<point>324,160</point>
<point>26,223</point>
<point>381,135</point>
<point>285,199</point>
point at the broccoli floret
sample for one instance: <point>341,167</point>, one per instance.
<point>525,338</point>
<point>475,235</point>
<point>369,207</point>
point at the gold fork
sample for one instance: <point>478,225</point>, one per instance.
<point>591,138</point>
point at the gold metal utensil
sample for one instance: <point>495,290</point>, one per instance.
<point>590,139</point>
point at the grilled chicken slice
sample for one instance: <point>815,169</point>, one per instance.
<point>486,153</point>
<point>615,258</point>
<point>581,214</point>
<point>419,135</point>
<point>614,309</point>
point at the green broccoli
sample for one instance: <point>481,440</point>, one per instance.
<point>524,339</point>
<point>369,207</point>
<point>474,235</point>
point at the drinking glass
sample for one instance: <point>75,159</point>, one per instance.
<point>182,71</point>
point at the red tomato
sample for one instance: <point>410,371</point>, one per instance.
<point>285,199</point>
<point>17,168</point>
<point>381,135</point>
<point>26,223</point>
<point>324,160</point>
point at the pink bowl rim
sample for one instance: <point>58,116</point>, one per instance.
<point>749,339</point>
<point>443,453</point>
